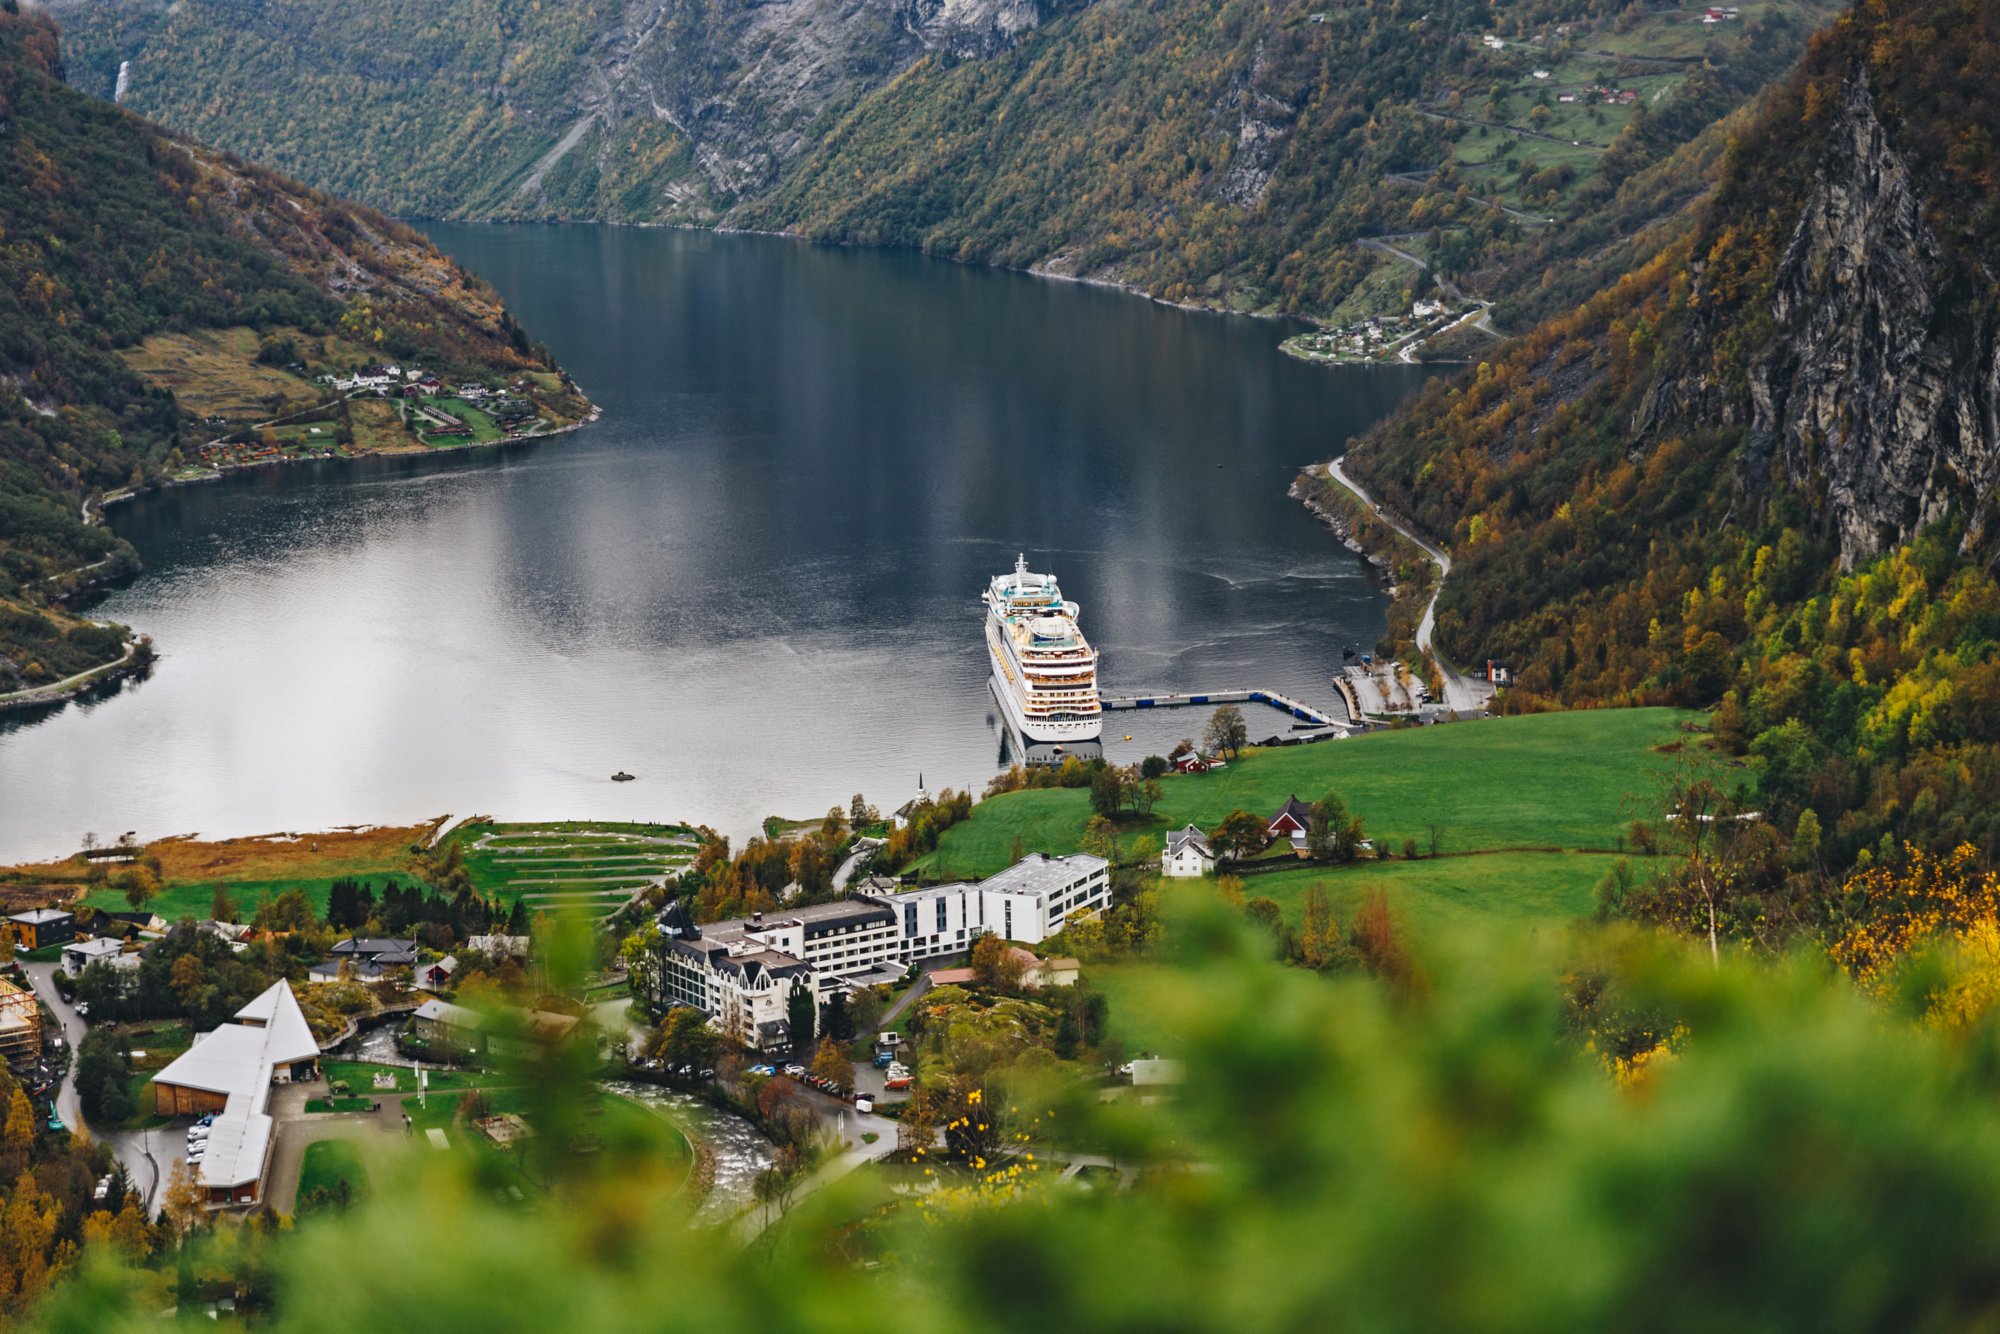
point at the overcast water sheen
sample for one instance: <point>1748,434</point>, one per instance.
<point>754,584</point>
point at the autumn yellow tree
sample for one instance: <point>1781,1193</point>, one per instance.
<point>1903,907</point>
<point>830,1065</point>
<point>1319,935</point>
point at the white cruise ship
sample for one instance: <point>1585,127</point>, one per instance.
<point>1044,670</point>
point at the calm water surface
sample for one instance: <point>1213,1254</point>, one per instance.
<point>753,584</point>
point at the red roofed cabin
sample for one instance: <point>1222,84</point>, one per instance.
<point>1292,821</point>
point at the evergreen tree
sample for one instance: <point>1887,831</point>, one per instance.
<point>799,1012</point>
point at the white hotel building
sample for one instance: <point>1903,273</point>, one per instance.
<point>740,972</point>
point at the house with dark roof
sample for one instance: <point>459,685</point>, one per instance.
<point>41,928</point>
<point>1294,817</point>
<point>1188,854</point>
<point>745,991</point>
<point>365,959</point>
<point>435,975</point>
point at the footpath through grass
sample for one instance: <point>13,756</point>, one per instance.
<point>1544,781</point>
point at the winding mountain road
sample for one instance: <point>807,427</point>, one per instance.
<point>133,1148</point>
<point>1462,694</point>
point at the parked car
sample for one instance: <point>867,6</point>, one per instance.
<point>103,1190</point>
<point>761,1070</point>
<point>795,1071</point>
<point>883,1059</point>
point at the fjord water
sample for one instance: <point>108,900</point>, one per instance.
<point>753,584</point>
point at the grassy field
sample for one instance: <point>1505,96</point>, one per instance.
<point>197,899</point>
<point>160,1041</point>
<point>1552,780</point>
<point>216,371</point>
<point>251,869</point>
<point>619,1123</point>
<point>376,425</point>
<point>1132,988</point>
<point>327,1161</point>
<point>569,863</point>
<point>1482,889</point>
<point>359,1076</point>
<point>484,428</point>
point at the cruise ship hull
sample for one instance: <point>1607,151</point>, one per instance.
<point>1044,670</point>
<point>1041,729</point>
<point>1037,730</point>
<point>1017,749</point>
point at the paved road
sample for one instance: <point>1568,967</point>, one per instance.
<point>57,689</point>
<point>864,848</point>
<point>1423,183</point>
<point>848,1126</point>
<point>1382,245</point>
<point>1462,694</point>
<point>134,1149</point>
<point>1478,319</point>
<point>296,1129</point>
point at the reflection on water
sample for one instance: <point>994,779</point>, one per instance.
<point>1016,749</point>
<point>754,584</point>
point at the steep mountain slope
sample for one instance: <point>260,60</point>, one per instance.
<point>1760,468</point>
<point>636,110</point>
<point>1222,152</point>
<point>120,239</point>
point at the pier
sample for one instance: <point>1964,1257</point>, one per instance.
<point>1178,699</point>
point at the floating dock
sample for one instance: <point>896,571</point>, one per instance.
<point>1177,699</point>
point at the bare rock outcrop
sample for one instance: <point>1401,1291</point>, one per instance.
<point>1877,392</point>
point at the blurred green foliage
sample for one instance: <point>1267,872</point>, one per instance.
<point>1453,1152</point>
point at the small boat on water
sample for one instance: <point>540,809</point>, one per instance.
<point>622,777</point>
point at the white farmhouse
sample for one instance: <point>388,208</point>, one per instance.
<point>1188,854</point>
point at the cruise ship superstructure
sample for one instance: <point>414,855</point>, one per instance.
<point>1044,670</point>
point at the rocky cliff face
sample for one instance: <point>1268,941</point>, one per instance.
<point>1877,390</point>
<point>970,29</point>
<point>651,110</point>
<point>1882,390</point>
<point>745,83</point>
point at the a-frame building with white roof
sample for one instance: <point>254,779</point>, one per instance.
<point>230,1072</point>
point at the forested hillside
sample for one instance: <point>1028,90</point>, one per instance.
<point>1758,471</point>
<point>117,233</point>
<point>1233,153</point>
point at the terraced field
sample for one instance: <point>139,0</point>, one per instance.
<point>595,868</point>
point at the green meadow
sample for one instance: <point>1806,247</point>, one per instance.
<point>1549,781</point>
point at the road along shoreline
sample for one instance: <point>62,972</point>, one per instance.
<point>1461,694</point>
